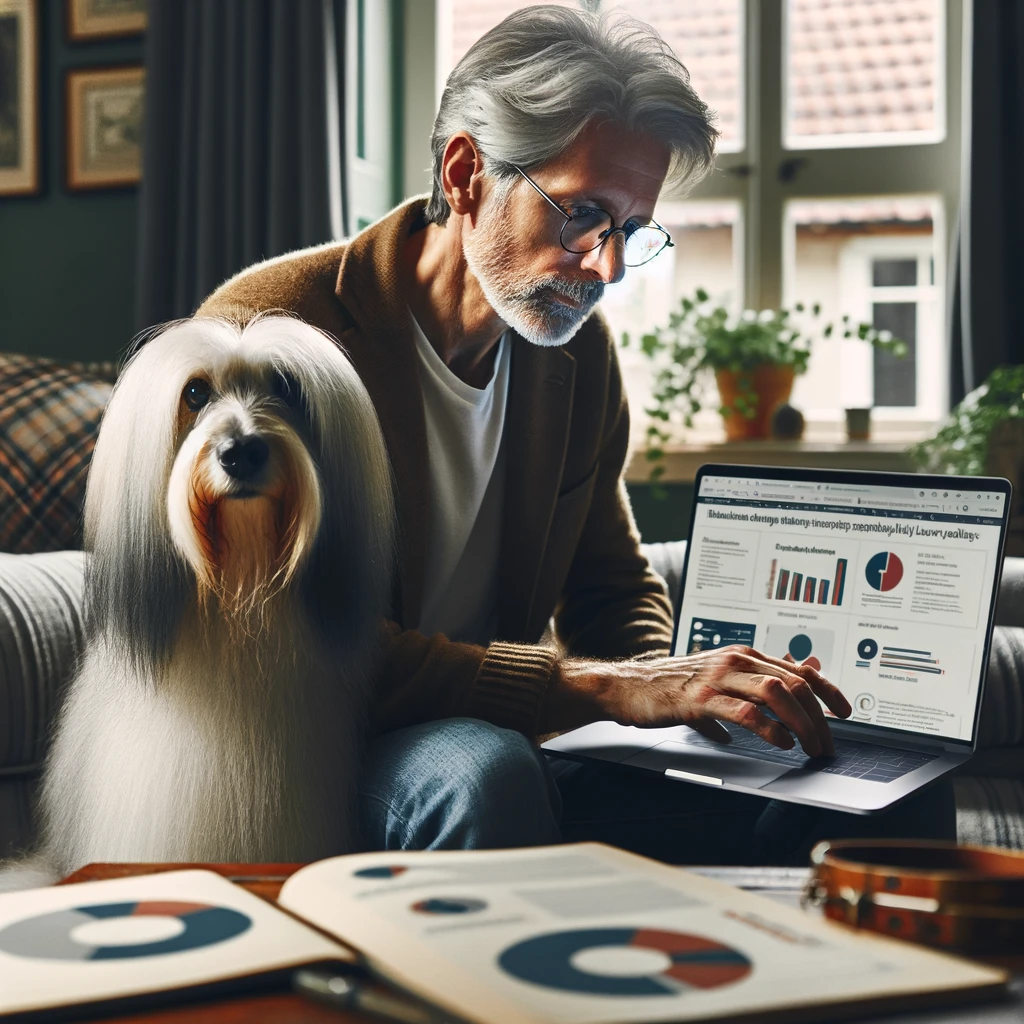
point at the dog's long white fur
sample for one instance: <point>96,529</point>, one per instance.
<point>220,703</point>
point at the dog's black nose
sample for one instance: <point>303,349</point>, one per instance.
<point>243,457</point>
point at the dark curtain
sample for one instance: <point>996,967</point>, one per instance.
<point>235,157</point>
<point>988,268</point>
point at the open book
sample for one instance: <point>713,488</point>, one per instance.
<point>589,933</point>
<point>581,933</point>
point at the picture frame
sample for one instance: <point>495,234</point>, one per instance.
<point>104,127</point>
<point>19,98</point>
<point>102,19</point>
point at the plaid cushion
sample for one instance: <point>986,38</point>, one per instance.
<point>49,415</point>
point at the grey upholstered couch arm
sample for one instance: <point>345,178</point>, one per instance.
<point>1010,608</point>
<point>40,638</point>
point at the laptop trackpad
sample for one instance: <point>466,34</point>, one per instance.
<point>732,768</point>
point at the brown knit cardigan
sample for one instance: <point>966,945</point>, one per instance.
<point>569,546</point>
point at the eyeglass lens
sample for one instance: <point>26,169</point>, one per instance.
<point>587,230</point>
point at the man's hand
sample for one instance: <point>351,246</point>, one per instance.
<point>731,684</point>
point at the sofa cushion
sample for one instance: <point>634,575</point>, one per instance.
<point>990,812</point>
<point>48,422</point>
<point>41,634</point>
<point>1010,607</point>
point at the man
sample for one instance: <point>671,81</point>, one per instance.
<point>470,319</point>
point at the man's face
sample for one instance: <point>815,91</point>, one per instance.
<point>541,291</point>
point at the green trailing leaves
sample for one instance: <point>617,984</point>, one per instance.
<point>961,444</point>
<point>702,336</point>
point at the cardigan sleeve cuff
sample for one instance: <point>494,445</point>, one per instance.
<point>511,684</point>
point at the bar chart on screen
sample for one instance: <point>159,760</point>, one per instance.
<point>908,659</point>
<point>787,584</point>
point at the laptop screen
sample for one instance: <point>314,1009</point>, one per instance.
<point>888,589</point>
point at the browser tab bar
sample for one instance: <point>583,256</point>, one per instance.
<point>864,498</point>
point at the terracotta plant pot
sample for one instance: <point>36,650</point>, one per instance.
<point>770,384</point>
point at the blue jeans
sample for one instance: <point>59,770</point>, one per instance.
<point>464,784</point>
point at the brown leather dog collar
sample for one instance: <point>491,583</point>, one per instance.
<point>964,898</point>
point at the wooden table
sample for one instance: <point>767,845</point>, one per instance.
<point>284,1007</point>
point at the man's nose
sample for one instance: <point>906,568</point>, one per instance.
<point>608,259</point>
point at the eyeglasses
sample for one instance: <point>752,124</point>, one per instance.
<point>589,227</point>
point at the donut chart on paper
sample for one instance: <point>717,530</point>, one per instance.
<point>449,905</point>
<point>694,962</point>
<point>392,871</point>
<point>49,936</point>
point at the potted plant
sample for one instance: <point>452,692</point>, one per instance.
<point>753,357</point>
<point>963,444</point>
<point>984,435</point>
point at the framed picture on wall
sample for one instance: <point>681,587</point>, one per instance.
<point>100,19</point>
<point>19,97</point>
<point>104,127</point>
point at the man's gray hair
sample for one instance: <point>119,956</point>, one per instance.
<point>527,89</point>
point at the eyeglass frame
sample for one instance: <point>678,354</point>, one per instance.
<point>669,244</point>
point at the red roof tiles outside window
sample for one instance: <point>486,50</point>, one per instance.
<point>705,34</point>
<point>460,23</point>
<point>863,72</point>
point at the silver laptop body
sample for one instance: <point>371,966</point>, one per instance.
<point>889,580</point>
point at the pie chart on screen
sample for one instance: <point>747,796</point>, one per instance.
<point>884,571</point>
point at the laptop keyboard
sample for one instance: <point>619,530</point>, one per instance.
<point>855,760</point>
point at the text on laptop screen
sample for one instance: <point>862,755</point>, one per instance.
<point>886,588</point>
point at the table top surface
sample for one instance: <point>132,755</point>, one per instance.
<point>286,1007</point>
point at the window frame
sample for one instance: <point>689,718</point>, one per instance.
<point>750,175</point>
<point>859,294</point>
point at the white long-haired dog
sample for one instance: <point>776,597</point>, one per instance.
<point>240,521</point>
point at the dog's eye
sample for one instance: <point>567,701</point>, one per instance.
<point>286,387</point>
<point>196,393</point>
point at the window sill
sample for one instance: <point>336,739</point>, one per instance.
<point>681,462</point>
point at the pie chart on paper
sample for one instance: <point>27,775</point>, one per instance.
<point>884,571</point>
<point>559,960</point>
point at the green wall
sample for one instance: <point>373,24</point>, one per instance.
<point>67,259</point>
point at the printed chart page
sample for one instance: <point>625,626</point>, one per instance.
<point>886,590</point>
<point>588,933</point>
<point>95,941</point>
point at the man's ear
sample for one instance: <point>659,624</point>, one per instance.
<point>462,169</point>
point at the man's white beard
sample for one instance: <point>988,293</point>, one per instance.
<point>533,311</point>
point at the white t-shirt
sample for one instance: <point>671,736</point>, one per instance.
<point>467,486</point>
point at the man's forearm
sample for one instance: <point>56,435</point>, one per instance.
<point>584,691</point>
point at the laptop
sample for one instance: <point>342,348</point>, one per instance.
<point>887,581</point>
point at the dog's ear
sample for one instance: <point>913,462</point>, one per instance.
<point>137,584</point>
<point>137,591</point>
<point>348,581</point>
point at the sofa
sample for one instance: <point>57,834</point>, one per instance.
<point>49,414</point>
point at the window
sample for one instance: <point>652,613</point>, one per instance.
<point>876,261</point>
<point>863,73</point>
<point>836,181</point>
